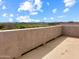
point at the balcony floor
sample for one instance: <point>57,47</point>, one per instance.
<point>61,48</point>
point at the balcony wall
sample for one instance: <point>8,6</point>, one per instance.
<point>15,42</point>
<point>71,30</point>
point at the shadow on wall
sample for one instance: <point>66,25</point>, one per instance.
<point>40,52</point>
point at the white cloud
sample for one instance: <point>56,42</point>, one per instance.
<point>31,6</point>
<point>54,10</point>
<point>61,16</point>
<point>48,3</point>
<point>51,18</point>
<point>11,15</point>
<point>23,18</point>
<point>38,4</point>
<point>7,15</point>
<point>69,3</point>
<point>44,18</point>
<point>32,20</point>
<point>66,10</point>
<point>33,13</point>
<point>3,7</point>
<point>4,15</point>
<point>26,6</point>
<point>10,20</point>
<point>26,19</point>
<point>0,0</point>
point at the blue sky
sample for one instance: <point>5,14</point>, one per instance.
<point>39,10</point>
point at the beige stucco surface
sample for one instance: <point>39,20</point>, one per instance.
<point>68,49</point>
<point>42,51</point>
<point>15,42</point>
<point>71,30</point>
<point>61,48</point>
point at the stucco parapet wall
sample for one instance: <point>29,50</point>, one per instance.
<point>15,42</point>
<point>71,30</point>
<point>31,28</point>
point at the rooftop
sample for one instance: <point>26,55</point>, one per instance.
<point>63,47</point>
<point>54,42</point>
